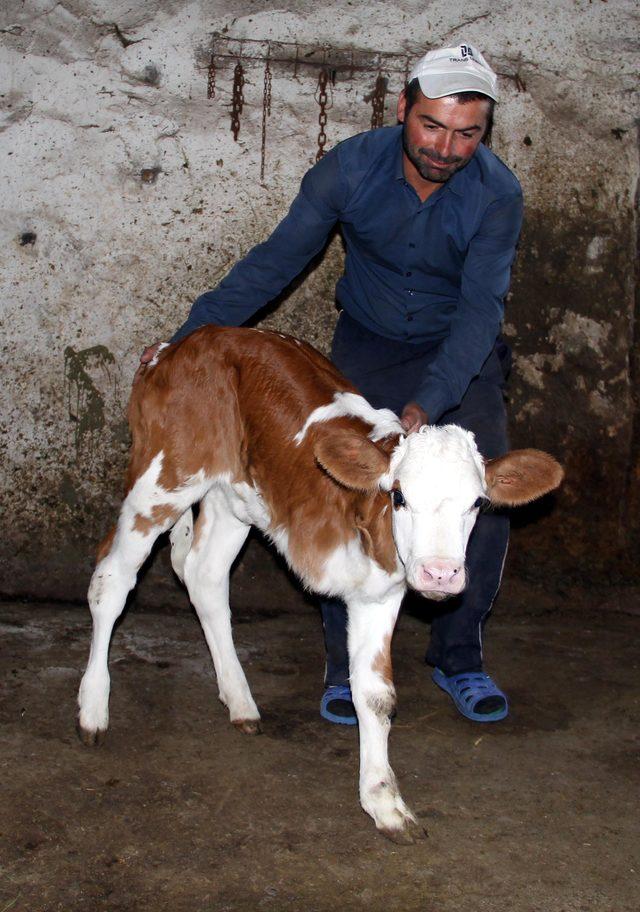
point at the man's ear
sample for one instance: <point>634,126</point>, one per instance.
<point>521,476</point>
<point>402,106</point>
<point>351,459</point>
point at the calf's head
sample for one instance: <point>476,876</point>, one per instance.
<point>437,482</point>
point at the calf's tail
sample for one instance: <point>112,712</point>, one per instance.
<point>181,538</point>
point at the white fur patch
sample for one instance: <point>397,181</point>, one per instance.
<point>247,504</point>
<point>146,493</point>
<point>437,448</point>
<point>181,538</point>
<point>349,573</point>
<point>352,405</point>
<point>154,360</point>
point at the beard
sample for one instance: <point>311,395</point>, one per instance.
<point>423,161</point>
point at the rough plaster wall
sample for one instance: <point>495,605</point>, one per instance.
<point>125,196</point>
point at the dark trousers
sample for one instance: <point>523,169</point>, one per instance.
<point>386,373</point>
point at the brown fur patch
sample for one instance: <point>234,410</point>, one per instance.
<point>105,545</point>
<point>374,522</point>
<point>382,662</point>
<point>159,516</point>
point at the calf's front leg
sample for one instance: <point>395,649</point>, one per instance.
<point>370,630</point>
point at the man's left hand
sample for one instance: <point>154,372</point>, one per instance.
<point>413,417</point>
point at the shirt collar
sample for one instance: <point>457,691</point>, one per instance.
<point>398,173</point>
<point>458,182</point>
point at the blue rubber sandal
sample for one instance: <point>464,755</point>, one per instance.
<point>469,689</point>
<point>343,709</point>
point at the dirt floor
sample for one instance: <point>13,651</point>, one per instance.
<point>179,811</point>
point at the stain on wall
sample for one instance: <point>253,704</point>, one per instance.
<point>85,401</point>
<point>572,387</point>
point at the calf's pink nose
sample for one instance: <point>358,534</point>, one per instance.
<point>439,573</point>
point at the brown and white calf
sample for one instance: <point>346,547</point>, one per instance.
<point>261,430</point>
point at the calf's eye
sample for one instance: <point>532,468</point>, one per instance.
<point>398,498</point>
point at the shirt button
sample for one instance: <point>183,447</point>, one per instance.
<point>408,273</point>
<point>409,319</point>
<point>412,245</point>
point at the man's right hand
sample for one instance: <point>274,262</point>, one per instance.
<point>149,353</point>
<point>413,417</point>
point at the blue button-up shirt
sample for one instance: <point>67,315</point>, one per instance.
<point>433,272</point>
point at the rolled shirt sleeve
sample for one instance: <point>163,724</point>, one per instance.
<point>269,267</point>
<point>476,324</point>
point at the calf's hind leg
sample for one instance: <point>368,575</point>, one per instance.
<point>147,511</point>
<point>218,538</point>
<point>112,580</point>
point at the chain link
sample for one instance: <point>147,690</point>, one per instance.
<point>266,112</point>
<point>237,99</point>
<point>211,78</point>
<point>322,95</point>
<point>322,98</point>
<point>377,102</point>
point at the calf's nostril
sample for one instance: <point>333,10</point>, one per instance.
<point>439,574</point>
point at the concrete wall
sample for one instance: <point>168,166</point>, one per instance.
<point>125,196</point>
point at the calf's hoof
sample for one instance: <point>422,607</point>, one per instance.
<point>408,834</point>
<point>391,815</point>
<point>91,738</point>
<point>248,726</point>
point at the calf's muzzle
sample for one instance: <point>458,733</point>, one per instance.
<point>439,578</point>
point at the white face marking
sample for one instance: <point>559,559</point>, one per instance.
<point>440,475</point>
<point>351,405</point>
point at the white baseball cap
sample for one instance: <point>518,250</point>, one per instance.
<point>448,71</point>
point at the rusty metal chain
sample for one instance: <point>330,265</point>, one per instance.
<point>266,112</point>
<point>377,102</point>
<point>211,78</point>
<point>322,99</point>
<point>237,99</point>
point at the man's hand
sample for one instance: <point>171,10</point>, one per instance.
<point>149,353</point>
<point>148,357</point>
<point>413,417</point>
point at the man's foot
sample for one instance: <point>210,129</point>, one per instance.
<point>474,694</point>
<point>336,705</point>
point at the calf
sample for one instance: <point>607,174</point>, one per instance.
<point>260,429</point>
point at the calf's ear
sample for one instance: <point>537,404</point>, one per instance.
<point>351,459</point>
<point>521,476</point>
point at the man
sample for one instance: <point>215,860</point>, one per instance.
<point>430,219</point>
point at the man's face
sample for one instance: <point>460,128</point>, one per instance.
<point>440,135</point>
